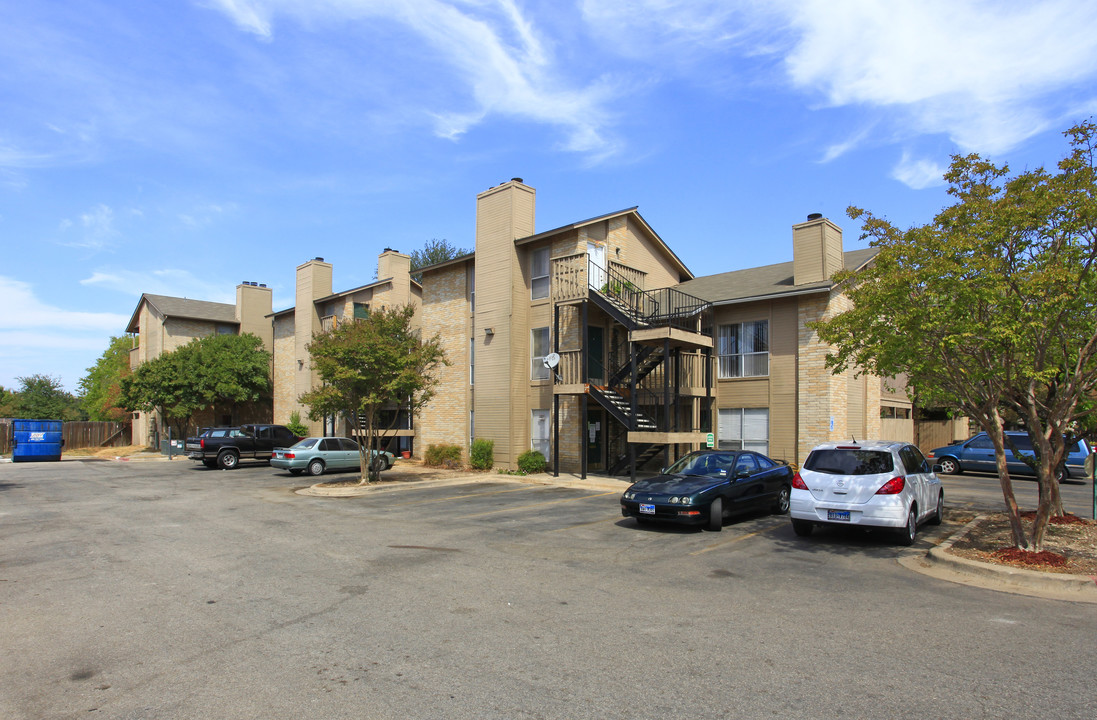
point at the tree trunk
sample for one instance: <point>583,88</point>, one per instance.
<point>993,427</point>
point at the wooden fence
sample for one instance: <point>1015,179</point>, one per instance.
<point>79,435</point>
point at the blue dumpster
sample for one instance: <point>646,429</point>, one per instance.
<point>36,440</point>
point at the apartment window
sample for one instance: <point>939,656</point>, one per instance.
<point>226,330</point>
<point>744,429</point>
<point>472,361</point>
<point>361,311</point>
<point>539,348</point>
<point>539,273</point>
<point>743,349</point>
<point>472,288</point>
<point>894,413</point>
<point>539,431</point>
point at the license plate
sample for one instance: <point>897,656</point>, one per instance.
<point>647,509</point>
<point>842,515</point>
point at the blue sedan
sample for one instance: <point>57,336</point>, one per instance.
<point>705,487</point>
<point>314,455</point>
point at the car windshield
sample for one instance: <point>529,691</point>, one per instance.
<point>306,443</point>
<point>848,461</point>
<point>708,464</point>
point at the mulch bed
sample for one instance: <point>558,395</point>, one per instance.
<point>1070,544</point>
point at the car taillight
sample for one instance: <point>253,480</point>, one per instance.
<point>203,445</point>
<point>893,486</point>
<point>289,456</point>
<point>798,482</point>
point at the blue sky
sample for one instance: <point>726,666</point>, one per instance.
<point>180,147</point>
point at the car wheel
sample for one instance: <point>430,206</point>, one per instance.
<point>949,466</point>
<point>295,471</point>
<point>781,506</point>
<point>316,467</point>
<point>1061,473</point>
<point>716,515</point>
<point>910,530</point>
<point>228,460</point>
<point>802,528</point>
<point>388,464</point>
<point>939,513</point>
<point>378,464</point>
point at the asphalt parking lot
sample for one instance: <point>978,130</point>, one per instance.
<point>164,590</point>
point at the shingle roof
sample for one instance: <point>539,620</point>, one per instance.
<point>763,282</point>
<point>184,308</point>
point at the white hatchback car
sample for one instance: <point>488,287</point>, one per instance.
<point>876,484</point>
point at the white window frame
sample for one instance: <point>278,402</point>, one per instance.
<point>539,273</point>
<point>538,371</point>
<point>743,429</point>
<point>737,351</point>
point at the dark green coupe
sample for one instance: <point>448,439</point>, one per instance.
<point>706,486</point>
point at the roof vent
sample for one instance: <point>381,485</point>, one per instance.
<point>318,259</point>
<point>516,179</point>
<point>262,284</point>
<point>815,216</point>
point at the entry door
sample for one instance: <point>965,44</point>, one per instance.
<point>596,355</point>
<point>596,439</point>
<point>540,432</point>
<point>596,267</point>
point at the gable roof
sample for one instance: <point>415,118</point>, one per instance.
<point>762,283</point>
<point>183,308</point>
<point>679,265</point>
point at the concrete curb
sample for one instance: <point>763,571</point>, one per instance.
<point>944,565</point>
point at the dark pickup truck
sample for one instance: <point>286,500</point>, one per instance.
<point>225,447</point>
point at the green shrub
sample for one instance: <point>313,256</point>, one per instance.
<point>532,461</point>
<point>443,455</point>
<point>482,454</point>
<point>295,425</point>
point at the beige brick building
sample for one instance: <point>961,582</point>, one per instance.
<point>593,343</point>
<point>161,323</point>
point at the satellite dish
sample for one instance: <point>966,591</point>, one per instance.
<point>551,360</point>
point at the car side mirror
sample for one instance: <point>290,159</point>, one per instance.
<point>938,469</point>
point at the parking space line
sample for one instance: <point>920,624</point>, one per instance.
<point>458,497</point>
<point>716,546</point>
<point>613,518</point>
<point>534,506</point>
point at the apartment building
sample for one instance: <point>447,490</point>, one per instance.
<point>645,360</point>
<point>318,308</point>
<point>594,344</point>
<point>161,323</point>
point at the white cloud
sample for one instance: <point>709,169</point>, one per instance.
<point>492,46</point>
<point>97,226</point>
<point>23,309</point>
<point>170,281</point>
<point>981,72</point>
<point>918,173</point>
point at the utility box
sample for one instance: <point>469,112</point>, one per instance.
<point>36,440</point>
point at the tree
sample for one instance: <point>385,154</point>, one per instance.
<point>8,399</point>
<point>101,388</point>
<point>367,365</point>
<point>990,307</point>
<point>212,371</point>
<point>43,397</point>
<point>435,251</point>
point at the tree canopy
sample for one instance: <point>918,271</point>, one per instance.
<point>212,371</point>
<point>989,308</point>
<point>43,397</point>
<point>101,388</point>
<point>368,365</point>
<point>435,251</point>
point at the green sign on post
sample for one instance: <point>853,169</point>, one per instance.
<point>710,440</point>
